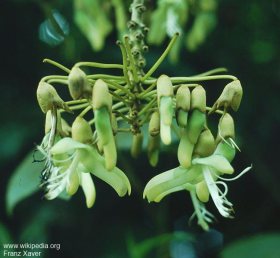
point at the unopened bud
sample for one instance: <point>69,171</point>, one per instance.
<point>198,99</point>
<point>231,97</point>
<point>81,130</point>
<point>77,82</point>
<point>48,98</point>
<point>205,145</point>
<point>182,117</point>
<point>226,127</point>
<point>183,98</point>
<point>101,96</point>
<point>154,124</point>
<point>195,125</point>
<point>164,87</point>
<point>185,150</point>
<point>136,146</point>
<point>153,149</point>
<point>202,191</point>
<point>114,123</point>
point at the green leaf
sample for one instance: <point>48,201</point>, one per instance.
<point>5,236</point>
<point>140,250</point>
<point>91,18</point>
<point>258,246</point>
<point>24,182</point>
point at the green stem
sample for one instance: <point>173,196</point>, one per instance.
<point>131,60</point>
<point>78,106</point>
<point>115,85</point>
<point>124,57</point>
<point>105,76</point>
<point>196,79</point>
<point>88,108</point>
<point>143,93</point>
<point>213,71</point>
<point>99,65</point>
<point>50,77</point>
<point>74,102</point>
<point>147,107</point>
<point>65,82</point>
<point>62,67</point>
<point>162,57</point>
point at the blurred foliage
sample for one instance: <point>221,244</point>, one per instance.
<point>246,41</point>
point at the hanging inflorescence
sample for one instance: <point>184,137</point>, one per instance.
<point>104,105</point>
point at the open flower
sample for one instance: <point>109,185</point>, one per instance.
<point>73,162</point>
<point>201,179</point>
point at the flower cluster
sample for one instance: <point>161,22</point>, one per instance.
<point>124,103</point>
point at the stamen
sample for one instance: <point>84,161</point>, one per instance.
<point>238,176</point>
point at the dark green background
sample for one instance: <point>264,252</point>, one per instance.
<point>246,41</point>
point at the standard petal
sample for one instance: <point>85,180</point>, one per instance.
<point>218,162</point>
<point>67,144</point>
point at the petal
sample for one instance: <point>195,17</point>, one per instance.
<point>115,178</point>
<point>218,162</point>
<point>88,188</point>
<point>67,144</point>
<point>173,180</point>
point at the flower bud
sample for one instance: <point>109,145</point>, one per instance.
<point>198,99</point>
<point>205,145</point>
<point>195,125</point>
<point>185,150</point>
<point>183,98</point>
<point>202,191</point>
<point>154,124</point>
<point>166,116</point>
<point>153,149</point>
<point>226,127</point>
<point>101,96</point>
<point>114,124</point>
<point>81,130</point>
<point>164,87</point>
<point>77,82</point>
<point>110,154</point>
<point>182,118</point>
<point>136,146</point>
<point>48,98</point>
<point>231,97</point>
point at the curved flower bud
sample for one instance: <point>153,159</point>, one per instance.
<point>77,82</point>
<point>195,125</point>
<point>164,87</point>
<point>153,149</point>
<point>48,98</point>
<point>226,127</point>
<point>183,98</point>
<point>205,145</point>
<point>202,191</point>
<point>136,146</point>
<point>81,130</point>
<point>231,97</point>
<point>154,124</point>
<point>165,95</point>
<point>166,116</point>
<point>198,99</point>
<point>101,96</point>
<point>185,150</point>
<point>183,103</point>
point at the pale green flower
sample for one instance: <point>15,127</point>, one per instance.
<point>73,163</point>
